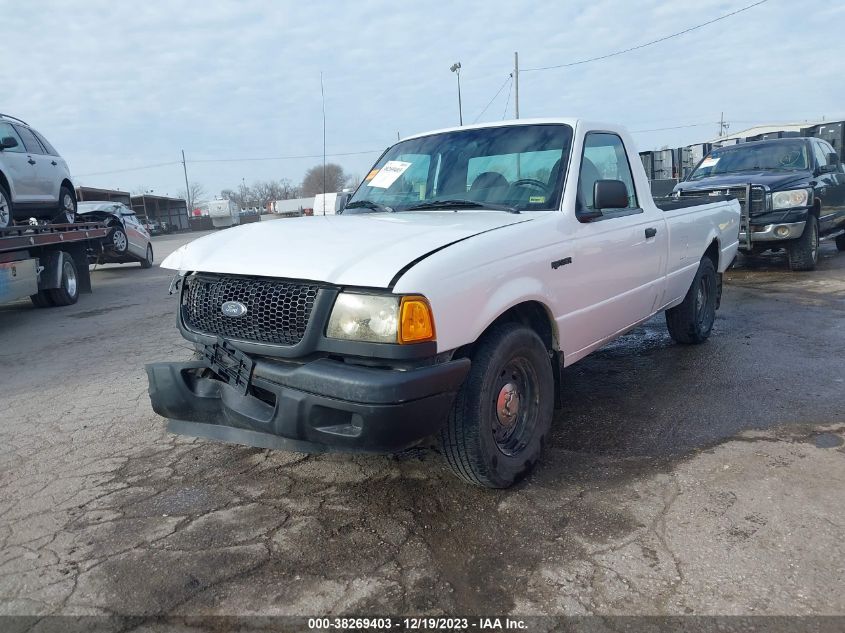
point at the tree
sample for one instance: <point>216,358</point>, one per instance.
<point>312,184</point>
<point>195,193</point>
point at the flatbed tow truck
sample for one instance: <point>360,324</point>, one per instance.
<point>49,263</point>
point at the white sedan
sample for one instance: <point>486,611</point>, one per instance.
<point>128,240</point>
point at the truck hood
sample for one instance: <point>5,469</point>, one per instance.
<point>776,180</point>
<point>354,250</point>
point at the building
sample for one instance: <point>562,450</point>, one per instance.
<point>92,194</point>
<point>173,211</point>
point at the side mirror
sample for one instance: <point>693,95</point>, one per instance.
<point>610,194</point>
<point>8,142</point>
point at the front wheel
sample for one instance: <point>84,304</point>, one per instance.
<point>691,321</point>
<point>67,207</point>
<point>840,243</point>
<point>498,424</point>
<point>804,252</point>
<point>147,262</point>
<point>68,292</point>
<point>6,219</point>
<point>118,242</point>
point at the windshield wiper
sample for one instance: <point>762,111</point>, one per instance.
<point>459,204</point>
<point>369,204</point>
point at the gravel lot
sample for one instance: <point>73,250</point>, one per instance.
<point>704,480</point>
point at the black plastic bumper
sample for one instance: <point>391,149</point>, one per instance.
<point>324,405</point>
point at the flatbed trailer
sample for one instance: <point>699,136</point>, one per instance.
<point>48,263</point>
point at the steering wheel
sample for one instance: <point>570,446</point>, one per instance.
<point>790,158</point>
<point>531,182</point>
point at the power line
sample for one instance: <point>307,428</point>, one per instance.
<point>651,43</point>
<point>675,127</point>
<point>498,92</point>
<point>507,100</point>
<point>120,171</point>
<point>249,159</point>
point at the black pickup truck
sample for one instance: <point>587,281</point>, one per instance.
<point>792,192</point>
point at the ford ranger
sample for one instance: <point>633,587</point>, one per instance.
<point>468,269</point>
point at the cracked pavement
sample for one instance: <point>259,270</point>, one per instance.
<point>678,480</point>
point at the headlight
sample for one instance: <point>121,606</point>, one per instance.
<point>380,319</point>
<point>790,199</point>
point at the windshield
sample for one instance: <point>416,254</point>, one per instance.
<point>783,155</point>
<point>516,167</point>
<point>85,207</point>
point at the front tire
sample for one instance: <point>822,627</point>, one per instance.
<point>68,292</point>
<point>6,216</point>
<point>501,416</point>
<point>147,262</point>
<point>691,321</point>
<point>67,207</point>
<point>42,299</point>
<point>804,252</point>
<point>118,242</point>
<point>840,243</point>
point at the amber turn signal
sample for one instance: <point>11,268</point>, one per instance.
<point>416,323</point>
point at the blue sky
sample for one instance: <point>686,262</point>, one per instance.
<point>116,85</point>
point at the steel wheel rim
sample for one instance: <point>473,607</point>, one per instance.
<point>516,405</point>
<point>70,278</point>
<point>119,240</point>
<point>702,302</point>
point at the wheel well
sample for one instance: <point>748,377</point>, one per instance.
<point>5,184</point>
<point>817,208</point>
<point>713,253</point>
<point>536,316</point>
<point>67,183</point>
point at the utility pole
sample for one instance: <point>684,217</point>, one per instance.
<point>516,83</point>
<point>187,186</point>
<point>723,126</point>
<point>323,97</point>
<point>456,68</point>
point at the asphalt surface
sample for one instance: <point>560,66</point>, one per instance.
<point>678,480</point>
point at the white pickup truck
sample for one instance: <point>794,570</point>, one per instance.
<point>469,268</point>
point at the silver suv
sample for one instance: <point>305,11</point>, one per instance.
<point>34,180</point>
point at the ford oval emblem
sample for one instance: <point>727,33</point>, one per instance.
<point>233,309</point>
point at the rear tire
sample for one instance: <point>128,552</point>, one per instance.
<point>42,299</point>
<point>691,321</point>
<point>840,242</point>
<point>804,252</point>
<point>68,292</point>
<point>67,207</point>
<point>501,416</point>
<point>147,262</point>
<point>6,216</point>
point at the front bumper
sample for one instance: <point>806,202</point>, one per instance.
<point>775,232</point>
<point>322,405</point>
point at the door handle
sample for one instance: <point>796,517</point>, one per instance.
<point>650,232</point>
<point>53,163</point>
<point>30,161</point>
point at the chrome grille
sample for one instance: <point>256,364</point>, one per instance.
<point>277,312</point>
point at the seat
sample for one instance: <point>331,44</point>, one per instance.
<point>489,180</point>
<point>589,175</point>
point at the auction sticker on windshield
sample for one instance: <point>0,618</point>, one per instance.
<point>709,162</point>
<point>388,174</point>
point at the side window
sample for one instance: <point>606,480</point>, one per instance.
<point>33,146</point>
<point>604,158</point>
<point>6,130</point>
<point>50,149</point>
<point>821,156</point>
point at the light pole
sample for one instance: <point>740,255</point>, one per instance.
<point>456,68</point>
